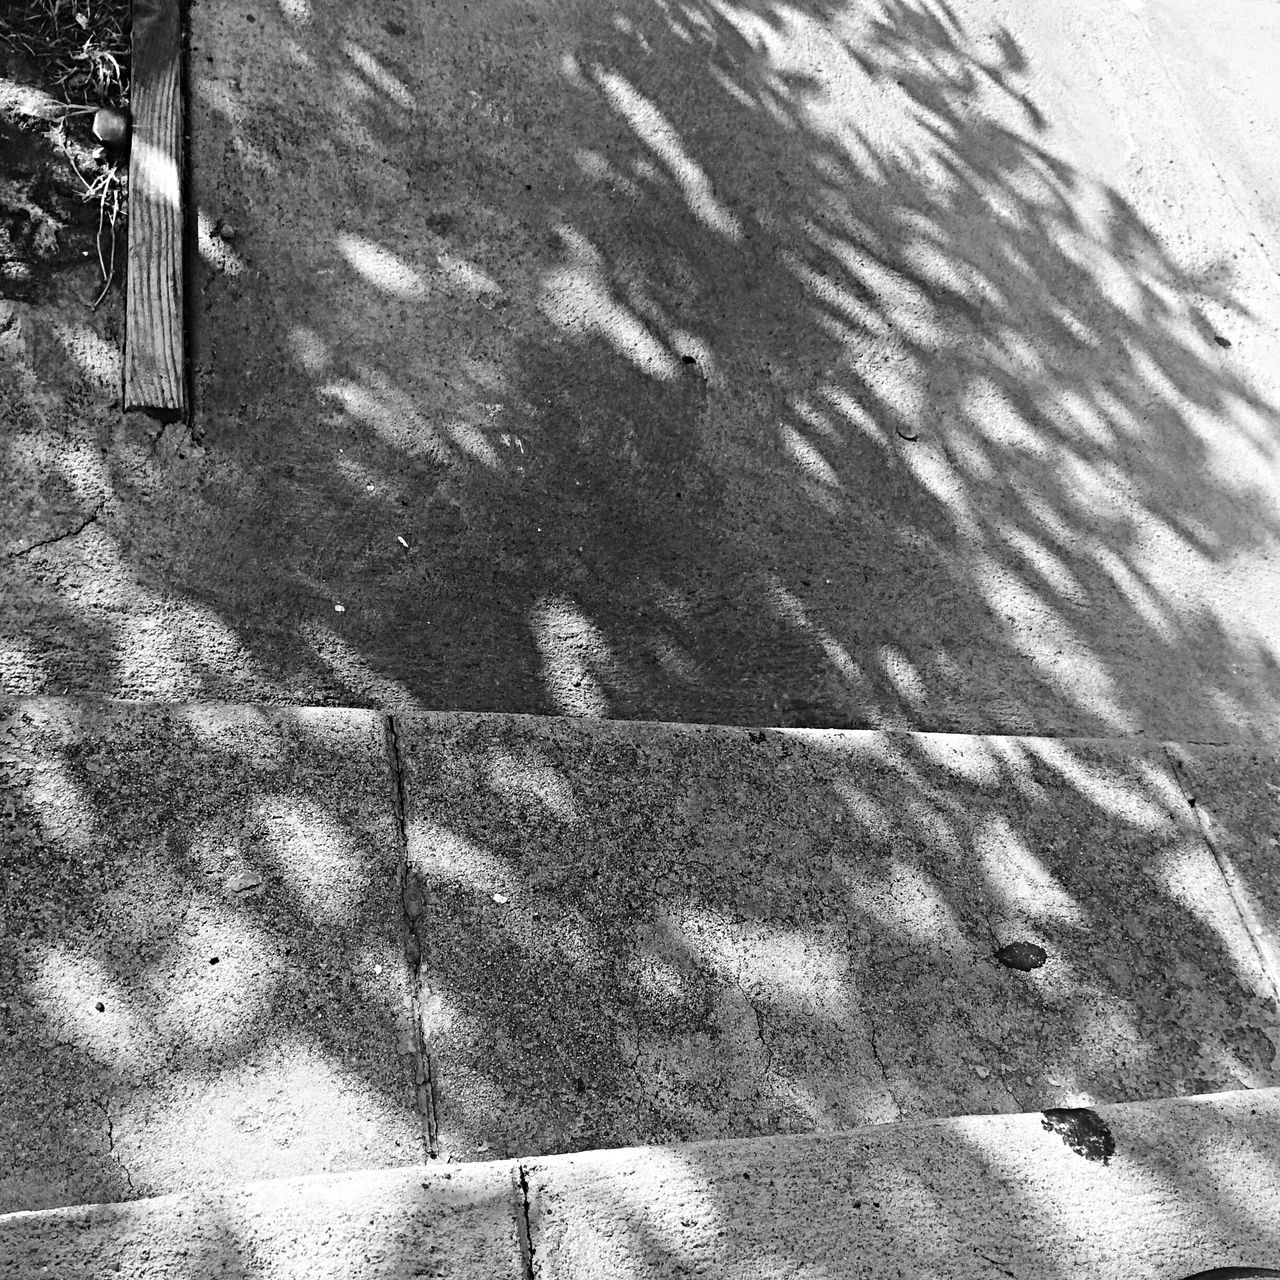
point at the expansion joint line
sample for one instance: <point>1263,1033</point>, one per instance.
<point>524,1221</point>
<point>1239,898</point>
<point>424,1081</point>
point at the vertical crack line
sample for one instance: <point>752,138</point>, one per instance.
<point>524,1220</point>
<point>425,1092</point>
<point>1244,909</point>
<point>105,1104</point>
<point>884,1071</point>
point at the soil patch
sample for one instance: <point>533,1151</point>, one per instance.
<point>61,192</point>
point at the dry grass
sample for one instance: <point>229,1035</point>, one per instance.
<point>81,50</point>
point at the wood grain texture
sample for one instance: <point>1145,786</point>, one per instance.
<point>154,341</point>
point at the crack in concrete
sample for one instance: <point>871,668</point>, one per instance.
<point>1004,1271</point>
<point>105,1104</point>
<point>760,1027</point>
<point>425,1085</point>
<point>524,1222</point>
<point>60,537</point>
<point>884,1071</point>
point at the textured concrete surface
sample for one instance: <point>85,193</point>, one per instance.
<point>202,966</point>
<point>808,364</point>
<point>1237,798</point>
<point>1145,1192</point>
<point>642,933</point>
<point>1127,1193</point>
<point>388,1225</point>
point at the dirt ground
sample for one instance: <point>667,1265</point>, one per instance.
<point>756,366</point>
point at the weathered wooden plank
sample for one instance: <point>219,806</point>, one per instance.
<point>154,345</point>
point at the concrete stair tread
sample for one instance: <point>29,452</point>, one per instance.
<point>1143,1191</point>
<point>506,936</point>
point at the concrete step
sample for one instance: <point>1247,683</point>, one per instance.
<point>485,937</point>
<point>1149,1191</point>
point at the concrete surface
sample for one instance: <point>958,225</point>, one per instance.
<point>1190,1186</point>
<point>962,443</point>
<point>652,933</point>
<point>1237,800</point>
<point>202,963</point>
<point>1145,1192</point>
<point>384,1225</point>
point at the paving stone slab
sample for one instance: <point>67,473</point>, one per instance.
<point>643,933</point>
<point>202,968</point>
<point>385,1225</point>
<point>1140,1192</point>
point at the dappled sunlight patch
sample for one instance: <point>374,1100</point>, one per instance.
<point>315,856</point>
<point>99,359</point>
<point>378,75</point>
<point>1021,880</point>
<point>807,457</point>
<point>215,248</point>
<point>466,278</point>
<point>596,166</point>
<point>580,299</point>
<point>392,413</point>
<point>309,349</point>
<point>297,12</point>
<point>1108,784</point>
<point>84,1003</point>
<point>24,668</point>
<point>902,675</point>
<point>676,661</point>
<point>663,141</point>
<point>790,607</point>
<point>804,970</point>
<point>572,649</point>
<point>294,1109</point>
<point>386,271</point>
<point>438,851</point>
<point>659,962</point>
<point>215,985</point>
<point>356,672</point>
<point>1191,877</point>
<point>1052,645</point>
<point>524,779</point>
<point>905,900</point>
<point>222,726</point>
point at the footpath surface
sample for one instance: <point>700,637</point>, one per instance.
<point>226,957</point>
<point>901,365</point>
<point>845,373</point>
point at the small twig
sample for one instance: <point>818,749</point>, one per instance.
<point>110,272</point>
<point>102,266</point>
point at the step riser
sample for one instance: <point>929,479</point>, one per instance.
<point>1142,1192</point>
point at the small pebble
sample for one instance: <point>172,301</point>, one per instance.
<point>227,231</point>
<point>111,126</point>
<point>1023,956</point>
